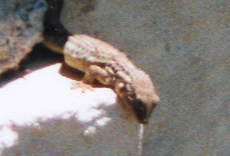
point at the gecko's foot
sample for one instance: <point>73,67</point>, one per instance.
<point>79,84</point>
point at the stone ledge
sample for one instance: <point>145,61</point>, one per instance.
<point>41,115</point>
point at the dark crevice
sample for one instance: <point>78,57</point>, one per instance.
<point>55,34</point>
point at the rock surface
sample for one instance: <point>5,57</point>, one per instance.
<point>43,116</point>
<point>21,26</point>
<point>184,45</point>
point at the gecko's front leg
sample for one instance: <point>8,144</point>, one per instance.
<point>92,72</point>
<point>95,72</point>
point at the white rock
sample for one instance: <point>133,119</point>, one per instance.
<point>43,96</point>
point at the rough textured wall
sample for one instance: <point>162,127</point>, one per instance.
<point>184,45</point>
<point>21,26</point>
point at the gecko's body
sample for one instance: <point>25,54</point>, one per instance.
<point>103,62</point>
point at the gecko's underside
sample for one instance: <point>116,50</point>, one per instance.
<point>101,61</point>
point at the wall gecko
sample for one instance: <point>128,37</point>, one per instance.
<point>101,61</point>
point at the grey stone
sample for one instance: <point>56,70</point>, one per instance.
<point>184,45</point>
<point>21,26</point>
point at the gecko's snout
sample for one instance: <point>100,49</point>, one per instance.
<point>142,110</point>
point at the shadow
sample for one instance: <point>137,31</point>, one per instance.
<point>38,58</point>
<point>71,73</point>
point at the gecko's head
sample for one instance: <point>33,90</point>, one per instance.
<point>140,96</point>
<point>143,108</point>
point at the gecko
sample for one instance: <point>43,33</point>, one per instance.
<point>102,62</point>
